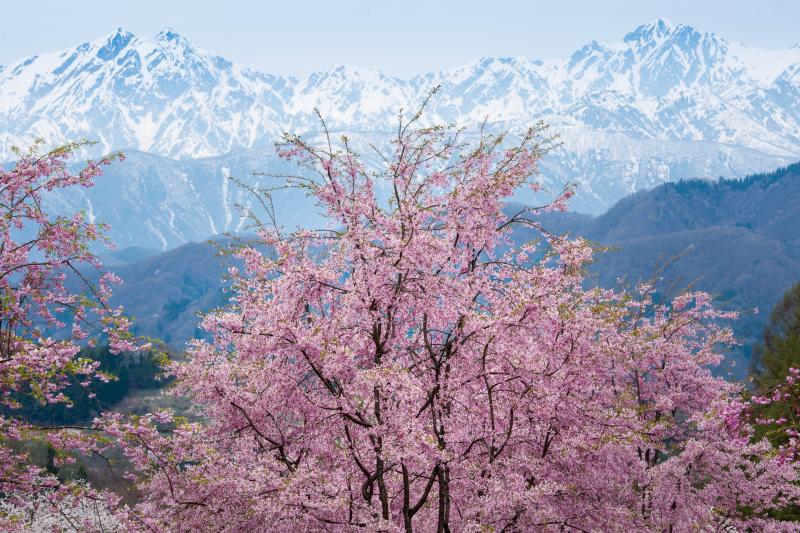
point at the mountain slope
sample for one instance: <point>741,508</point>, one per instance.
<point>159,203</point>
<point>736,239</point>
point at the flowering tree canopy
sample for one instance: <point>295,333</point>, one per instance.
<point>37,251</point>
<point>776,414</point>
<point>775,406</point>
<point>413,368</point>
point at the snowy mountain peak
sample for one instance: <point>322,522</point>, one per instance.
<point>170,37</point>
<point>663,36</point>
<point>658,30</point>
<point>114,44</point>
<point>169,34</point>
<point>119,37</point>
<point>162,94</point>
<point>666,101</point>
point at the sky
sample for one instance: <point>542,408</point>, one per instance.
<point>402,38</point>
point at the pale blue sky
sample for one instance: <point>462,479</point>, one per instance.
<point>401,37</point>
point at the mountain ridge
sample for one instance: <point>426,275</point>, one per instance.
<point>657,63</point>
<point>665,102</point>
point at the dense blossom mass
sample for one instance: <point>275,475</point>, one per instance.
<point>413,367</point>
<point>42,322</point>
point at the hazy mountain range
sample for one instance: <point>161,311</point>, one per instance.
<point>666,102</point>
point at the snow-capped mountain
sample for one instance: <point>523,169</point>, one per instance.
<point>157,95</point>
<point>666,102</point>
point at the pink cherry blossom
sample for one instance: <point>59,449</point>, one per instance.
<point>414,369</point>
<point>37,250</point>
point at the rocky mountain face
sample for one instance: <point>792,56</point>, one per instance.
<point>666,102</point>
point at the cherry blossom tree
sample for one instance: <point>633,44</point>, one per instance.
<point>416,367</point>
<point>778,414</point>
<point>775,413</point>
<point>42,322</point>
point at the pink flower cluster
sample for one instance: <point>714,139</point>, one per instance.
<point>418,369</point>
